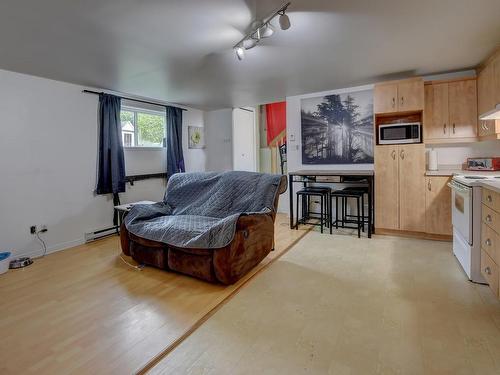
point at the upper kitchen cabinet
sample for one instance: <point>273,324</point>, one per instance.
<point>450,111</point>
<point>385,98</point>
<point>399,96</point>
<point>496,78</point>
<point>488,86</point>
<point>462,104</point>
<point>411,95</point>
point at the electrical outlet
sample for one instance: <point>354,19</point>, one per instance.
<point>33,229</point>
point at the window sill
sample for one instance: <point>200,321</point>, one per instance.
<point>144,148</point>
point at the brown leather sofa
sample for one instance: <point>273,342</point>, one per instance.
<point>253,240</point>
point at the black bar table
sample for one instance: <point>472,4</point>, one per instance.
<point>311,176</point>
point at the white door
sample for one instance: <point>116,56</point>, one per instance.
<point>244,142</point>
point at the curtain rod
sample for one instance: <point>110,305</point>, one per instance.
<point>135,100</point>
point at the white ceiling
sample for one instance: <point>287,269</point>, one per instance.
<point>181,50</point>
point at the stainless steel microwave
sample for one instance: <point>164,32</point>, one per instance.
<point>390,134</point>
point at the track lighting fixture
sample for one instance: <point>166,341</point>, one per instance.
<point>262,29</point>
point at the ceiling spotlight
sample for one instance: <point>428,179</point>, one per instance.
<point>240,52</point>
<point>266,31</point>
<point>249,43</point>
<point>284,21</point>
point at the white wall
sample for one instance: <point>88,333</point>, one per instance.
<point>218,137</point>
<point>48,153</point>
<point>453,155</point>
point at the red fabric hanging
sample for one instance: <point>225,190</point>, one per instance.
<point>276,122</point>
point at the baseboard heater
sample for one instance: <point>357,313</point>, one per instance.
<point>102,233</point>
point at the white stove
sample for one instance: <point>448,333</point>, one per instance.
<point>466,218</point>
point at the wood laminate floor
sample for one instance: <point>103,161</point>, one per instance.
<point>342,305</point>
<point>83,310</point>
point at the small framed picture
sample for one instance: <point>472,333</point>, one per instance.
<point>196,136</point>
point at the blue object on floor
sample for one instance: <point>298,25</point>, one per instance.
<point>4,256</point>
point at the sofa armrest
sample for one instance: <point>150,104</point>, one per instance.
<point>124,240</point>
<point>252,242</point>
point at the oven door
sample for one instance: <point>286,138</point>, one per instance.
<point>461,209</point>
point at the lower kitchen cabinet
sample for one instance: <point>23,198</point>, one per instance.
<point>411,188</point>
<point>437,205</point>
<point>400,183</point>
<point>387,187</point>
<point>490,239</point>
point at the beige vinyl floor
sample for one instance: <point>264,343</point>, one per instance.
<point>342,305</point>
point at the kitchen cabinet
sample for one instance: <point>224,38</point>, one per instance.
<point>399,96</point>
<point>387,182</point>
<point>384,98</point>
<point>451,111</point>
<point>490,239</point>
<point>437,205</point>
<point>496,78</point>
<point>488,87</point>
<point>411,188</point>
<point>440,112</point>
<point>411,95</point>
<point>462,99</point>
<point>400,181</point>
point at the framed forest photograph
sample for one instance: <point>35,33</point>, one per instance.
<point>338,128</point>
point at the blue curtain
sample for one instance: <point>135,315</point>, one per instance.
<point>111,163</point>
<point>175,157</point>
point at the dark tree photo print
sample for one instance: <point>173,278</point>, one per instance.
<point>338,129</point>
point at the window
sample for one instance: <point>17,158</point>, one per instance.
<point>142,127</point>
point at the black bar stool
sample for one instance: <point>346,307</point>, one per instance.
<point>363,190</point>
<point>325,208</point>
<point>344,195</point>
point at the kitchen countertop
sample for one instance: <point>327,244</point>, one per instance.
<point>451,172</point>
<point>338,172</point>
<point>492,185</point>
<point>444,172</point>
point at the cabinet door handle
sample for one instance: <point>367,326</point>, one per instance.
<point>444,128</point>
<point>393,154</point>
<point>393,102</point>
<point>488,218</point>
<point>487,270</point>
<point>489,199</point>
<point>487,242</point>
<point>453,128</point>
<point>402,154</point>
<point>429,185</point>
<point>402,100</point>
